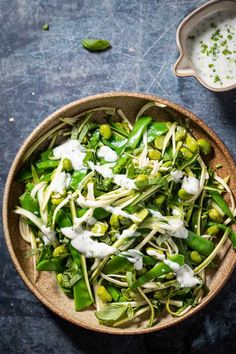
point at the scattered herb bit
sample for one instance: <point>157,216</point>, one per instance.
<point>45,27</point>
<point>213,25</point>
<point>217,78</point>
<point>229,36</point>
<point>191,37</point>
<point>96,45</point>
<point>226,52</point>
<point>211,65</point>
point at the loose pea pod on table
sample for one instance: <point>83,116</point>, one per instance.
<point>131,231</point>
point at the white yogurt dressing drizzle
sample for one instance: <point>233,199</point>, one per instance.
<point>61,182</point>
<point>211,47</point>
<point>73,151</point>
<point>191,185</point>
<point>82,241</point>
<point>184,274</point>
<point>107,154</point>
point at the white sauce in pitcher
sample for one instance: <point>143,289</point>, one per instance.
<point>211,47</point>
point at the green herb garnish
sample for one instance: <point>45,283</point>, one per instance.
<point>96,45</point>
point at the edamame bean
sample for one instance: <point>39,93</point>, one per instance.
<point>159,200</point>
<point>213,230</point>
<point>186,153</point>
<point>103,294</point>
<point>205,146</point>
<point>191,144</point>
<point>154,155</point>
<point>105,131</point>
<point>195,257</point>
<point>60,250</point>
<point>67,165</point>
<point>159,142</point>
<point>182,194</point>
<point>214,215</point>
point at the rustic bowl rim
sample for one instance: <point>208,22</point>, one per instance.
<point>11,174</point>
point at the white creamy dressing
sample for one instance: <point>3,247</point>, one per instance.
<point>107,154</point>
<point>184,274</point>
<point>123,181</point>
<point>128,233</point>
<point>73,151</point>
<point>176,228</point>
<point>177,176</point>
<point>120,212</point>
<point>211,47</point>
<point>135,257</point>
<point>173,225</point>
<point>106,172</point>
<point>82,241</point>
<point>60,182</point>
<point>191,185</point>
<point>48,235</point>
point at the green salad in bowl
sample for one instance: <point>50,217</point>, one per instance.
<point>129,217</point>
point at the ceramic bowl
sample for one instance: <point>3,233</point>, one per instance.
<point>46,288</point>
<point>183,66</point>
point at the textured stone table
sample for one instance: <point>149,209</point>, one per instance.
<point>41,71</point>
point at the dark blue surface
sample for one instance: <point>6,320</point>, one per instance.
<point>41,71</point>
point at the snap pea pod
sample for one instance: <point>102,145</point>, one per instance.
<point>46,154</point>
<point>28,203</point>
<point>133,141</point>
<point>158,270</point>
<point>76,178</point>
<point>153,181</point>
<point>221,203</point>
<point>24,175</point>
<point>117,264</point>
<point>114,292</point>
<point>82,298</point>
<point>47,164</point>
<point>156,129</point>
<point>200,244</point>
<point>56,264</point>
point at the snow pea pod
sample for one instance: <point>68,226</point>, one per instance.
<point>133,141</point>
<point>76,178</point>
<point>56,264</point>
<point>200,244</point>
<point>47,164</point>
<point>82,298</point>
<point>158,270</point>
<point>117,264</point>
<point>221,203</point>
<point>28,203</point>
<point>156,129</point>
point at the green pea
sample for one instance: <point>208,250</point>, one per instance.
<point>213,230</point>
<point>191,144</point>
<point>195,257</point>
<point>169,276</point>
<point>67,165</point>
<point>214,215</point>
<point>59,251</point>
<point>105,131</point>
<point>125,126</point>
<point>159,142</point>
<point>154,155</point>
<point>159,200</point>
<point>55,200</point>
<point>167,164</point>
<point>180,134</point>
<point>59,278</point>
<point>141,177</point>
<point>186,153</point>
<point>205,146</point>
<point>182,194</point>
